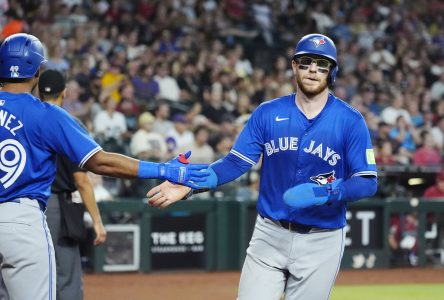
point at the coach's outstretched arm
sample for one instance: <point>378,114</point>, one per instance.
<point>177,170</point>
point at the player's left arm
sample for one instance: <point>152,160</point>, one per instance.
<point>363,182</point>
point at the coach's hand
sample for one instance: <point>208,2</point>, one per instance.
<point>310,194</point>
<point>179,170</point>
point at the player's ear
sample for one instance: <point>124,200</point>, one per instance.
<point>294,66</point>
<point>62,96</point>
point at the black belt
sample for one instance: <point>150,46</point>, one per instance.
<point>298,228</point>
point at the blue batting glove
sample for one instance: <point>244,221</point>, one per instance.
<point>209,182</point>
<point>179,170</point>
<point>310,194</point>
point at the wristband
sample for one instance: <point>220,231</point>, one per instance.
<point>148,170</point>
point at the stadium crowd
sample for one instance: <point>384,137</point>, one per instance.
<point>153,78</point>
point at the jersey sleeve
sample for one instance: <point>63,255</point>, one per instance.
<point>62,134</point>
<point>249,144</point>
<point>359,150</point>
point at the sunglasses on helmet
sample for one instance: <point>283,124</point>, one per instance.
<point>306,61</point>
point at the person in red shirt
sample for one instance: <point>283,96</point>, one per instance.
<point>436,190</point>
<point>402,239</point>
<point>15,24</point>
<point>428,153</point>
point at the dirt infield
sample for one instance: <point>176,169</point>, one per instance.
<point>223,285</point>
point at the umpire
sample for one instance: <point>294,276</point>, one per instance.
<point>65,217</point>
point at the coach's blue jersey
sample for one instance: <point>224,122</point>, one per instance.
<point>31,134</point>
<point>334,145</point>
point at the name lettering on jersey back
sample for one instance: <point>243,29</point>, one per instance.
<point>291,144</point>
<point>9,122</point>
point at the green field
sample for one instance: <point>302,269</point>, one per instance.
<point>389,292</point>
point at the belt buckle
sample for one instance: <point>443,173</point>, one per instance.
<point>299,228</point>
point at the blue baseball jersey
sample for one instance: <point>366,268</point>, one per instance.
<point>334,145</point>
<point>31,134</point>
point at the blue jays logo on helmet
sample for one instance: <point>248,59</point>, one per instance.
<point>318,41</point>
<point>324,178</point>
<point>321,45</point>
<point>21,55</point>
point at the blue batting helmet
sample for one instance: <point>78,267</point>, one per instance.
<point>21,55</point>
<point>321,45</point>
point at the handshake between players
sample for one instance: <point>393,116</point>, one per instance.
<point>300,196</point>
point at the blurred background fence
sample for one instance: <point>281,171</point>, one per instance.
<point>213,234</point>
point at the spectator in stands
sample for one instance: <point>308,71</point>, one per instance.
<point>397,108</point>
<point>74,104</point>
<point>146,88</point>
<point>129,106</point>
<point>384,153</point>
<point>415,114</point>
<point>202,151</point>
<point>162,124</point>
<point>168,86</point>
<point>438,133</point>
<point>436,190</point>
<point>405,135</point>
<point>109,126</point>
<point>14,24</point>
<point>369,99</point>
<point>427,154</point>
<point>56,59</point>
<point>180,133</point>
<point>242,65</point>
<point>381,57</point>
<point>112,80</point>
<point>147,144</point>
<point>189,84</point>
<point>437,88</point>
<point>213,108</point>
<point>223,145</point>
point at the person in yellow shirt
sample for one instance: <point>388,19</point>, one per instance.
<point>112,80</point>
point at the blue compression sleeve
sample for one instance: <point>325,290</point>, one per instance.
<point>357,187</point>
<point>229,168</point>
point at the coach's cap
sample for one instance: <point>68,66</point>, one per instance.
<point>51,82</point>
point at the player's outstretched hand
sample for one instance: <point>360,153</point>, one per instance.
<point>310,194</point>
<point>179,170</point>
<point>166,193</point>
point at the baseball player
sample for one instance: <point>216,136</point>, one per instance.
<point>316,156</point>
<point>31,134</point>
